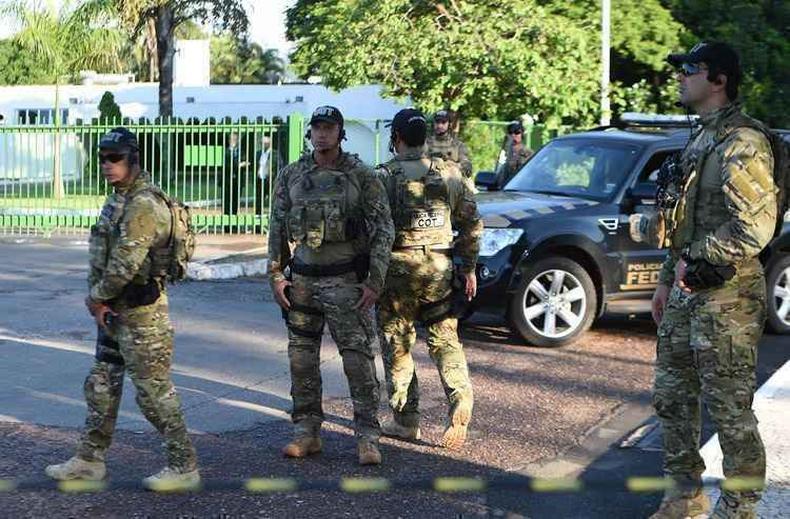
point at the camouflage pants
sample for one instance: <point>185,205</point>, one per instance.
<point>417,288</point>
<point>331,300</point>
<point>707,350</point>
<point>145,343</point>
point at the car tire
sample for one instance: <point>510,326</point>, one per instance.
<point>778,285</point>
<point>551,315</point>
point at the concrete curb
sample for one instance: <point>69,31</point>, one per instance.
<point>200,271</point>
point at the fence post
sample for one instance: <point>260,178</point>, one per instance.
<point>295,136</point>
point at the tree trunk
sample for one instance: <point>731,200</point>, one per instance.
<point>150,45</point>
<point>165,50</point>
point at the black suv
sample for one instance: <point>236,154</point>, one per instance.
<point>556,252</point>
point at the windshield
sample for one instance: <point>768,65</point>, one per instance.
<point>576,167</point>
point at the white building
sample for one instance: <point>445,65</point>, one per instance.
<point>362,107</point>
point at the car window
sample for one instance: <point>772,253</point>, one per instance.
<point>649,174</point>
<point>577,167</point>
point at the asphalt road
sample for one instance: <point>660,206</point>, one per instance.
<point>538,412</point>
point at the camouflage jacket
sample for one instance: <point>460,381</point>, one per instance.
<point>133,222</point>
<point>375,241</point>
<point>727,211</point>
<point>463,208</point>
<point>515,157</point>
<point>449,147</point>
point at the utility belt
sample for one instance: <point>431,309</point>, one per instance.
<point>360,265</point>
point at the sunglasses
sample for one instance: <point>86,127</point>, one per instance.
<point>515,132</point>
<point>111,157</point>
<point>690,69</point>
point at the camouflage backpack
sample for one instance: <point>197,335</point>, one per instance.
<point>180,244</point>
<point>781,152</point>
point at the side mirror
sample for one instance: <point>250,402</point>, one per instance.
<point>486,179</point>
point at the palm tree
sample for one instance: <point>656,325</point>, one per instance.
<point>166,16</point>
<point>66,44</point>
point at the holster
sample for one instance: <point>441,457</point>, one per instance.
<point>701,274</point>
<point>141,295</point>
<point>107,349</point>
<point>459,302</point>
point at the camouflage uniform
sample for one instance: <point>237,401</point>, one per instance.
<point>516,156</point>
<point>337,218</point>
<point>707,340</point>
<point>125,247</point>
<point>450,148</point>
<point>420,275</point>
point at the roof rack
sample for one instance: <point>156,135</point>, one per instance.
<point>656,120</point>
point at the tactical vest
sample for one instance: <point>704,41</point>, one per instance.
<point>444,148</point>
<point>325,208</point>
<point>421,208</point>
<point>106,232</point>
<point>703,206</point>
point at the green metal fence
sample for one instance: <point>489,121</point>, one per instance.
<point>50,178</point>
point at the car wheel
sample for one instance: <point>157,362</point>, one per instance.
<point>554,303</point>
<point>778,283</point>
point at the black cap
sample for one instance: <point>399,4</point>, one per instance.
<point>328,114</point>
<point>119,139</point>
<point>715,54</point>
<point>442,115</point>
<point>411,124</point>
<point>515,126</point>
<point>408,118</point>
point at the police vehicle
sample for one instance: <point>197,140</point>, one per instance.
<point>556,251</point>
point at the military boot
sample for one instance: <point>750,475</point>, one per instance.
<point>172,479</point>
<point>77,468</point>
<point>393,429</point>
<point>683,505</point>
<point>455,434</point>
<point>302,446</point>
<point>368,452</point>
<point>730,507</point>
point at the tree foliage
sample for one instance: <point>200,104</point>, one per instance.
<point>59,44</point>
<point>484,58</point>
<point>109,111</point>
<point>19,67</point>
<point>235,60</point>
<point>758,29</point>
<point>163,18</point>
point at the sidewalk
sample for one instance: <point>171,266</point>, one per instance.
<point>772,406</point>
<point>228,256</point>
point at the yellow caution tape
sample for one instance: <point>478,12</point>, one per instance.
<point>556,485</point>
<point>742,484</point>
<point>359,485</point>
<point>167,487</point>
<point>271,485</point>
<point>649,484</point>
<point>459,485</point>
<point>7,485</point>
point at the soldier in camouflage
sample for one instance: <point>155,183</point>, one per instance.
<point>710,304</point>
<point>429,198</point>
<point>129,254</point>
<point>516,153</point>
<point>443,144</point>
<point>333,209</point>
